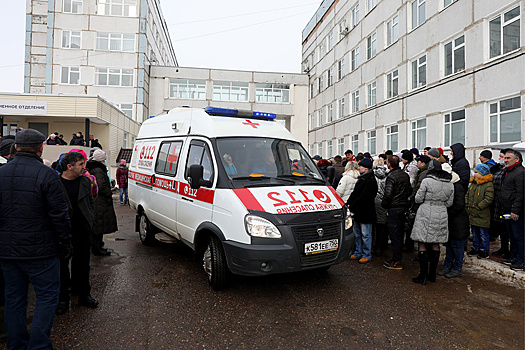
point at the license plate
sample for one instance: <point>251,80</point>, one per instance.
<point>321,247</point>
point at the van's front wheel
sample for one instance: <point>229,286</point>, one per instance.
<point>214,263</point>
<point>146,231</point>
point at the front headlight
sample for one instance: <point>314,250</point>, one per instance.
<point>260,227</point>
<point>348,219</point>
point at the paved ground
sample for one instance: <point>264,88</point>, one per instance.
<point>158,298</point>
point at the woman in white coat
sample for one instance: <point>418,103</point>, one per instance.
<point>347,182</point>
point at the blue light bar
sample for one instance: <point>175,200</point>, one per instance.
<point>239,113</point>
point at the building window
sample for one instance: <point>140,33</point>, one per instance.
<point>127,108</point>
<point>355,58</point>
<point>320,117</point>
<point>73,6</point>
<point>330,77</point>
<point>455,128</point>
<point>448,2</point>
<point>322,48</point>
<point>341,146</point>
<point>371,46</point>
<point>114,76</point>
<point>330,112</point>
<point>329,148</point>
<point>505,120</point>
<point>343,30</point>
<point>372,94</point>
<point>392,32</point>
<point>355,15</point>
<point>311,149</point>
<point>341,103</point>
<point>392,135</point>
<point>312,90</point>
<point>188,89</point>
<point>312,121</point>
<point>455,56</point>
<point>341,69</point>
<point>115,42</point>
<point>273,93</point>
<point>321,150</point>
<point>70,75</point>
<point>355,101</point>
<point>126,8</point>
<point>392,83</point>
<point>230,91</point>
<point>320,83</point>
<point>419,133</point>
<point>125,139</point>
<point>371,141</point>
<point>418,13</point>
<point>330,41</point>
<point>70,40</point>
<point>355,143</point>
<point>505,33</point>
<point>371,4</point>
<point>419,72</point>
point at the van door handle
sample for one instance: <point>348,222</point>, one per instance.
<point>152,180</point>
<point>187,199</point>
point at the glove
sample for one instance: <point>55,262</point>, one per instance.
<point>65,250</point>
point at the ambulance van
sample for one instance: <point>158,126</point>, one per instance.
<point>237,188</point>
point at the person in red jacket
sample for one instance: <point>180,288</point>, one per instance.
<point>122,180</point>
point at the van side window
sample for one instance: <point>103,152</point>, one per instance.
<point>168,158</point>
<point>200,154</point>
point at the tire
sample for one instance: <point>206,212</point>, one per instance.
<point>146,230</point>
<point>214,263</point>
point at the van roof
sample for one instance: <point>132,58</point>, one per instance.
<point>195,121</point>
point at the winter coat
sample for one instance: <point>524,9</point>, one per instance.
<point>498,172</point>
<point>105,219</point>
<point>412,170</point>
<point>86,203</point>
<point>397,190</point>
<point>361,201</point>
<point>436,194</point>
<point>458,223</point>
<point>34,209</point>
<point>511,194</point>
<point>347,184</point>
<point>122,176</point>
<point>339,168</point>
<point>420,177</point>
<point>380,175</point>
<point>460,164</point>
<point>479,197</point>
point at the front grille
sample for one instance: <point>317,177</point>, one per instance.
<point>308,233</point>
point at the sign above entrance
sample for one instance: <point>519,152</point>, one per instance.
<point>23,107</point>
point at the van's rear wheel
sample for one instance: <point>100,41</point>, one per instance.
<point>146,231</point>
<point>214,263</point>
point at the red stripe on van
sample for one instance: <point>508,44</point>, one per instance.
<point>139,177</point>
<point>202,194</point>
<point>248,199</point>
<point>341,201</point>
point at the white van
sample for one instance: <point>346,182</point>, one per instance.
<point>239,190</point>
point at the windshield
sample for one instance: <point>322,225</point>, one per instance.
<point>264,157</point>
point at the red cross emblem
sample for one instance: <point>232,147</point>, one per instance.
<point>172,157</point>
<point>252,124</point>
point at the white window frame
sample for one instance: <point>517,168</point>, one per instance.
<point>272,93</point>
<point>104,41</point>
<point>75,6</point>
<point>341,146</point>
<point>70,36</point>
<point>343,29</point>
<point>70,73</point>
<point>355,101</point>
<point>371,46</point>
<point>355,15</point>
<point>392,131</point>
<point>416,71</point>
<point>329,148</point>
<point>321,149</point>
<point>128,8</point>
<point>341,69</point>
<point>127,108</point>
<point>320,83</point>
<point>414,132</point>
<point>447,3</point>
<point>330,41</point>
<point>320,117</point>
<point>354,143</point>
<point>193,88</point>
<point>497,113</point>
<point>341,108</point>
<point>502,26</point>
<point>122,74</point>
<point>330,112</point>
<point>329,77</point>
<point>392,84</point>
<point>448,123</point>
<point>416,17</point>
<point>372,94</point>
<point>454,47</point>
<point>371,141</point>
<point>312,121</point>
<point>226,90</point>
<point>311,148</point>
<point>322,47</point>
<point>392,30</point>
<point>125,140</point>
<point>370,5</point>
<point>312,89</point>
<point>355,58</point>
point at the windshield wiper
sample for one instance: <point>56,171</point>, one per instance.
<point>304,177</point>
<point>259,178</point>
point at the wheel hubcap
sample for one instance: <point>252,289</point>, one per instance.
<point>143,228</point>
<point>206,262</point>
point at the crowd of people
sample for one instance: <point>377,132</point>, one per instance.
<point>54,215</point>
<point>77,139</point>
<point>430,199</point>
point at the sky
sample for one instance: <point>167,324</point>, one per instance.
<point>228,34</point>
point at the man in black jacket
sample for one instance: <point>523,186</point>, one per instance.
<point>460,164</point>
<point>395,200</point>
<point>362,204</point>
<point>81,208</point>
<point>34,228</point>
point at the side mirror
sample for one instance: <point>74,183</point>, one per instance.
<point>195,176</point>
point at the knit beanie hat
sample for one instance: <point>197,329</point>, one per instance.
<point>366,162</point>
<point>434,152</point>
<point>79,151</point>
<point>407,155</point>
<point>122,162</point>
<point>483,169</point>
<point>99,155</point>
